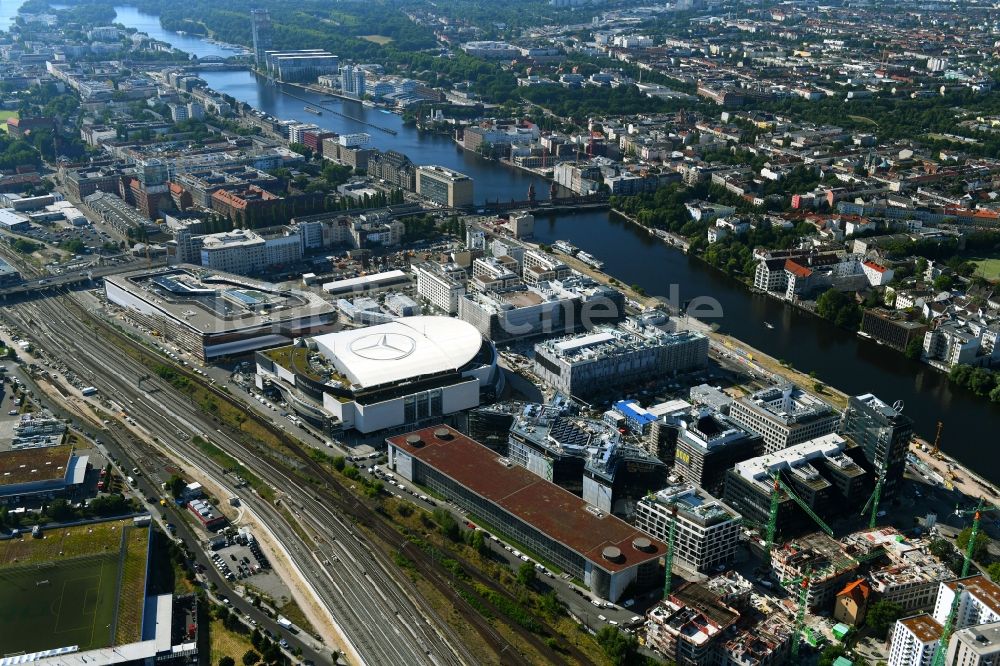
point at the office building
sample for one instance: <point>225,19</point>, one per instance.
<point>606,553</point>
<point>387,376</point>
<point>550,308</point>
<point>211,314</point>
<point>261,33</point>
<point>300,66</point>
<point>914,640</point>
<point>822,472</point>
<point>891,327</point>
<point>784,415</point>
<point>606,358</point>
<point>585,456</point>
<point>246,252</point>
<point>706,445</point>
<point>975,646</point>
<point>883,433</point>
<point>706,531</point>
<point>444,187</point>
<point>442,285</point>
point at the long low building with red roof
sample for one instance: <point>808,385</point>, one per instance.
<point>605,552</point>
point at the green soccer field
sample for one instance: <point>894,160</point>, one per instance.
<point>57,605</point>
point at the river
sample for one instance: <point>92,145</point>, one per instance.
<point>838,357</point>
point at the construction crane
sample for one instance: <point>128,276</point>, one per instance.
<point>977,515</point>
<point>949,626</point>
<point>772,519</point>
<point>668,584</point>
<point>802,583</point>
<point>876,497</point>
<point>805,507</point>
<point>936,449</point>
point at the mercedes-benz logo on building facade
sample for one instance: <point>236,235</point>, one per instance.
<point>384,346</point>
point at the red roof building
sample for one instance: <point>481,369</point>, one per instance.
<point>604,551</point>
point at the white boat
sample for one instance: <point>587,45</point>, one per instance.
<point>768,324</point>
<point>565,247</point>
<point>590,260</point>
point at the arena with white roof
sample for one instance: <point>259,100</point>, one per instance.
<point>386,376</point>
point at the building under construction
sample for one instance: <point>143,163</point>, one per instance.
<point>767,643</point>
<point>822,560</point>
<point>911,578</point>
<point>688,626</point>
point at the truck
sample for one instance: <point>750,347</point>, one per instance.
<point>88,390</point>
<point>284,622</point>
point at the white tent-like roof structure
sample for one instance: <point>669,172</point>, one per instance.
<point>400,350</point>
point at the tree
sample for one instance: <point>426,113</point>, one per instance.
<point>914,349</point>
<point>882,615</point>
<point>177,486</point>
<point>60,511</point>
<point>227,661</point>
<point>979,551</point>
<point>994,571</point>
<point>250,658</point>
<point>921,266</point>
<point>620,648</point>
<point>526,574</point>
<point>478,541</point>
<point>943,282</point>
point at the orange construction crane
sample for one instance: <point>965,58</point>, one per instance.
<point>936,449</point>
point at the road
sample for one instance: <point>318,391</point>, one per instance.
<point>346,574</point>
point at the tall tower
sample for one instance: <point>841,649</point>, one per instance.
<point>261,28</point>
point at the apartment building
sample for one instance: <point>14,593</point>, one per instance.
<point>914,641</point>
<point>441,284</point>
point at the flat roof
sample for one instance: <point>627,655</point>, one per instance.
<point>401,349</point>
<point>350,284</point>
<point>923,627</point>
<point>47,463</point>
<point>205,300</point>
<point>552,510</point>
<point>980,587</point>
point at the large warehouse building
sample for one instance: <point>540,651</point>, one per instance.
<point>212,314</point>
<point>385,376</point>
<point>607,553</point>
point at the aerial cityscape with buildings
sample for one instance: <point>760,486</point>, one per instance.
<point>427,333</point>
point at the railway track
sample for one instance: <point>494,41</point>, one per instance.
<point>316,502</point>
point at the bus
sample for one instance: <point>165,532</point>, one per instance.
<point>88,390</point>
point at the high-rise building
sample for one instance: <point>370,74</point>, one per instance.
<point>444,186</point>
<point>883,433</point>
<point>347,80</point>
<point>261,29</point>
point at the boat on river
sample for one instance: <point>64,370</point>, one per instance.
<point>590,260</point>
<point>565,247</point>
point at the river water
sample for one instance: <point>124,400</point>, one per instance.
<point>839,358</point>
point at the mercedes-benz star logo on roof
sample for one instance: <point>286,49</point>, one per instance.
<point>384,346</point>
